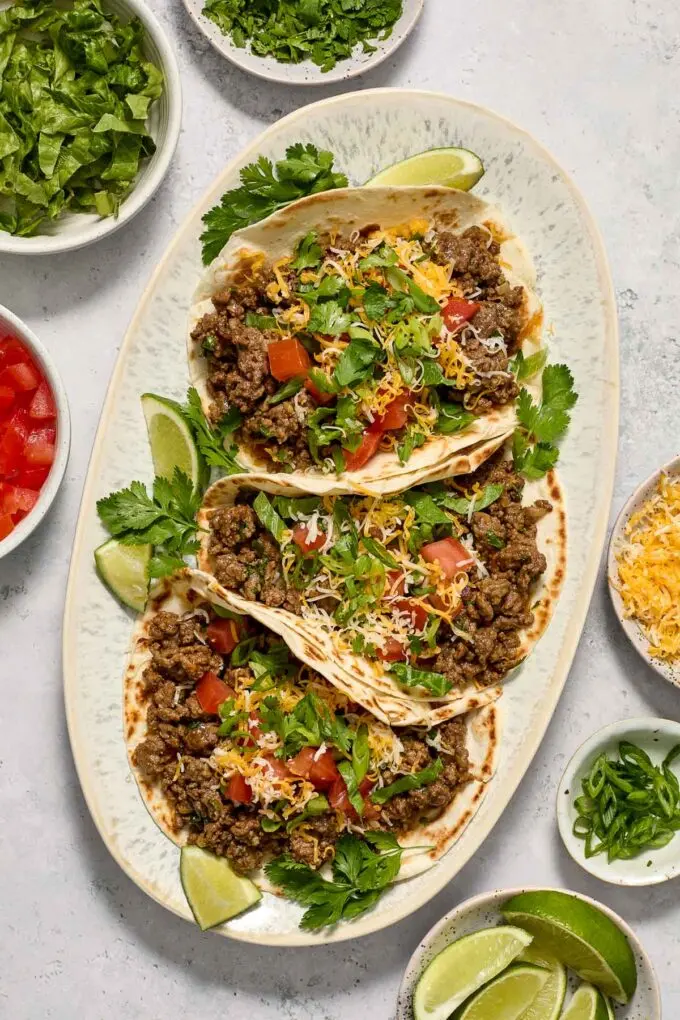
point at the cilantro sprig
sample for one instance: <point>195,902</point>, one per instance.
<point>541,426</point>
<point>266,187</point>
<point>214,441</point>
<point>164,519</point>
<point>360,876</point>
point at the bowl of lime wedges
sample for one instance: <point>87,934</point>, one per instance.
<point>530,954</point>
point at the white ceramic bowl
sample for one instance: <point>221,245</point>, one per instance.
<point>656,737</point>
<point>669,670</point>
<point>11,324</point>
<point>305,73</point>
<point>483,912</point>
<point>75,230</point>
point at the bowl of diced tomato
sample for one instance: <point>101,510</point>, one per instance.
<point>35,432</point>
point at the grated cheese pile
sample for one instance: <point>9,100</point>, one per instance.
<point>649,569</point>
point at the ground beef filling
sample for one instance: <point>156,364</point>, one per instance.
<point>497,607</point>
<point>238,366</point>
<point>474,257</point>
<point>176,755</point>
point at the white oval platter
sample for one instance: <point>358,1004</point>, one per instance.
<point>367,131</point>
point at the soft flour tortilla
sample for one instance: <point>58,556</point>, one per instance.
<point>343,211</point>
<point>178,595</point>
<point>368,682</point>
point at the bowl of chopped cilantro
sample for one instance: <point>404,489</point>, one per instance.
<point>90,108</point>
<point>306,42</point>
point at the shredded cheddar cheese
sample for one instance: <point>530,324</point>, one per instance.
<point>649,569</point>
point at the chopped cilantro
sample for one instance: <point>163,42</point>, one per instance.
<point>542,425</point>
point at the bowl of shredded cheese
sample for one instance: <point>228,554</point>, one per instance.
<point>644,570</point>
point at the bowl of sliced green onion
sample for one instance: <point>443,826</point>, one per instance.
<point>618,804</point>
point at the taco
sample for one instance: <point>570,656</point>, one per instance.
<point>250,754</point>
<point>363,333</point>
<point>423,601</point>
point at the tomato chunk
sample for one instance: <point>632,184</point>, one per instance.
<point>392,651</point>
<point>22,377</point>
<point>339,798</point>
<point>42,407</point>
<point>6,526</point>
<point>324,772</point>
<point>419,615</point>
<point>457,311</point>
<point>223,636</point>
<point>395,416</point>
<point>367,449</point>
<point>33,478</point>
<point>450,554</point>
<point>13,436</point>
<point>254,731</point>
<point>15,499</point>
<point>7,398</point>
<point>287,359</point>
<point>302,763</point>
<point>302,540</point>
<point>395,583</point>
<point>318,395</point>
<point>11,351</point>
<point>277,767</point>
<point>212,692</point>
<point>38,452</point>
<point>239,790</point>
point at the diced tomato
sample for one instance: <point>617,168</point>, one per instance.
<point>7,398</point>
<point>38,452</point>
<point>223,636</point>
<point>22,377</point>
<point>13,436</point>
<point>254,731</point>
<point>14,499</point>
<point>11,351</point>
<point>212,692</point>
<point>395,583</point>
<point>287,359</point>
<point>338,797</point>
<point>393,651</point>
<point>395,416</point>
<point>371,810</point>
<point>302,763</point>
<point>302,541</point>
<point>318,395</point>
<point>42,406</point>
<point>367,449</point>
<point>457,311</point>
<point>6,526</point>
<point>419,615</point>
<point>33,478</point>
<point>277,767</point>
<point>450,554</point>
<point>238,790</point>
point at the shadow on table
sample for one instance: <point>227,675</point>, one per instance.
<point>268,101</point>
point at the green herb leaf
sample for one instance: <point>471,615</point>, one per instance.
<point>328,317</point>
<point>268,517</point>
<point>411,781</point>
<point>466,506</point>
<point>453,418</point>
<point>427,511</point>
<point>308,254</point>
<point>265,188</point>
<point>409,676</point>
<point>525,368</point>
<point>356,362</point>
<point>289,389</point>
<point>542,425</point>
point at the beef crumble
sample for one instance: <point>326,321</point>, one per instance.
<point>176,756</point>
<point>235,346</point>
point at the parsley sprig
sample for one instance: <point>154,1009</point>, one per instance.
<point>542,425</point>
<point>360,876</point>
<point>164,519</point>
<point>266,187</point>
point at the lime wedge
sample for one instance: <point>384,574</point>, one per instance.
<point>123,568</point>
<point>453,168</point>
<point>463,967</point>
<point>214,892</point>
<point>580,936</point>
<point>549,1001</point>
<point>507,997</point>
<point>587,1004</point>
<point>171,441</point>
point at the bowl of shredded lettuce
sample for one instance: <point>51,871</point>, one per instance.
<point>90,110</point>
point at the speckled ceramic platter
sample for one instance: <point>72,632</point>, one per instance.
<point>366,131</point>
<point>484,912</point>
<point>306,73</point>
<point>668,670</point>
